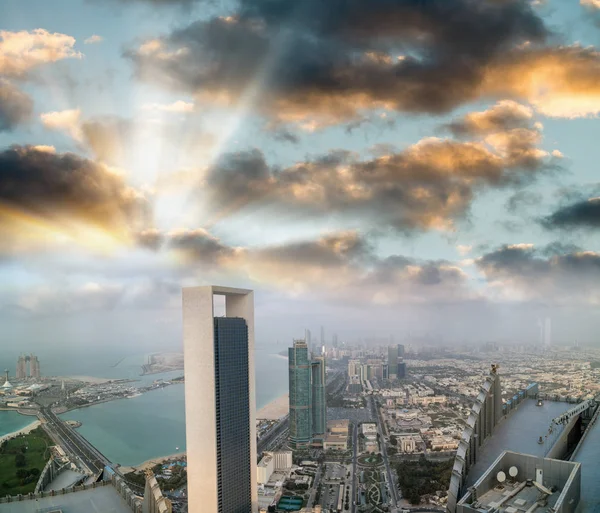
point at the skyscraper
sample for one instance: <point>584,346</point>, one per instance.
<point>220,401</point>
<point>322,336</point>
<point>319,405</point>
<point>34,367</point>
<point>392,362</point>
<point>300,430</point>
<point>400,351</point>
<point>21,368</point>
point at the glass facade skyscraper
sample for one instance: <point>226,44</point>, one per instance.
<point>319,406</point>
<point>300,430</point>
<point>220,404</point>
<point>233,415</point>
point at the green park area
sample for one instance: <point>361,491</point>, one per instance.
<point>370,459</point>
<point>422,477</point>
<point>22,459</point>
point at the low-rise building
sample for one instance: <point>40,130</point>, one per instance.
<point>337,435</point>
<point>264,469</point>
<point>369,430</point>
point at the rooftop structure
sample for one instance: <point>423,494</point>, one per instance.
<point>521,482</point>
<point>588,455</point>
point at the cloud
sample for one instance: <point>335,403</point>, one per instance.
<point>178,106</point>
<point>20,54</point>
<point>65,120</point>
<point>48,196</point>
<point>89,296</point>
<point>521,200</point>
<point>334,61</point>
<point>505,115</point>
<point>555,274</point>
<point>464,249</point>
<point>594,4</point>
<point>584,214</point>
<point>199,246</point>
<point>93,39</point>
<point>341,267</point>
<point>22,51</point>
<point>15,106</point>
<point>429,185</point>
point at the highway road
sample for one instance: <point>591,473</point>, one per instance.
<point>278,430</point>
<point>73,443</point>
<point>354,458</point>
<point>391,482</point>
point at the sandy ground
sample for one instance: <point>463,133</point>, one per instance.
<point>24,431</point>
<point>152,462</point>
<point>275,409</point>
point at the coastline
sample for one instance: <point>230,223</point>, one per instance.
<point>275,409</point>
<point>24,431</point>
<point>148,464</point>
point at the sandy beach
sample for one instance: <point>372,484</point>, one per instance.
<point>275,409</point>
<point>150,463</point>
<point>24,431</point>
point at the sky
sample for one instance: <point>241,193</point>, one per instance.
<point>426,169</point>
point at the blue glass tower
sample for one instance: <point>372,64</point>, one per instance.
<point>300,431</point>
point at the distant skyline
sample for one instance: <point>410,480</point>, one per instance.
<point>389,167</point>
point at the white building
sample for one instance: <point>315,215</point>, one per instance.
<point>282,460</point>
<point>219,384</point>
<point>370,431</point>
<point>265,468</point>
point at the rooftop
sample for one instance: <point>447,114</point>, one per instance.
<point>519,433</point>
<point>104,499</point>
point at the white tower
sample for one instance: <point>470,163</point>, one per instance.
<point>220,420</point>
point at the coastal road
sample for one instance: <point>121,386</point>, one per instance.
<point>275,432</point>
<point>73,443</point>
<point>386,461</point>
<point>354,457</point>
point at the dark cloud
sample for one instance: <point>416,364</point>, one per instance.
<point>556,273</point>
<point>199,246</point>
<point>63,189</point>
<point>15,106</point>
<point>521,200</point>
<point>583,214</point>
<point>285,135</point>
<point>428,185</point>
<point>150,239</point>
<point>326,62</point>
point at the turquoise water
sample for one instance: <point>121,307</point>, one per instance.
<point>11,421</point>
<point>131,431</point>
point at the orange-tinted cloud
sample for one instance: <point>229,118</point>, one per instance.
<point>429,185</point>
<point>48,197</point>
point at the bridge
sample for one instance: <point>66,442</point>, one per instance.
<point>79,449</point>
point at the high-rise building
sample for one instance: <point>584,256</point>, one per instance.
<point>392,362</point>
<point>308,337</point>
<point>401,370</point>
<point>400,350</point>
<point>318,399</point>
<point>34,367</point>
<point>334,341</point>
<point>300,420</point>
<point>220,401</point>
<point>322,336</point>
<point>21,368</point>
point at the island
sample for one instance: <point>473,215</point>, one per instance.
<point>163,362</point>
